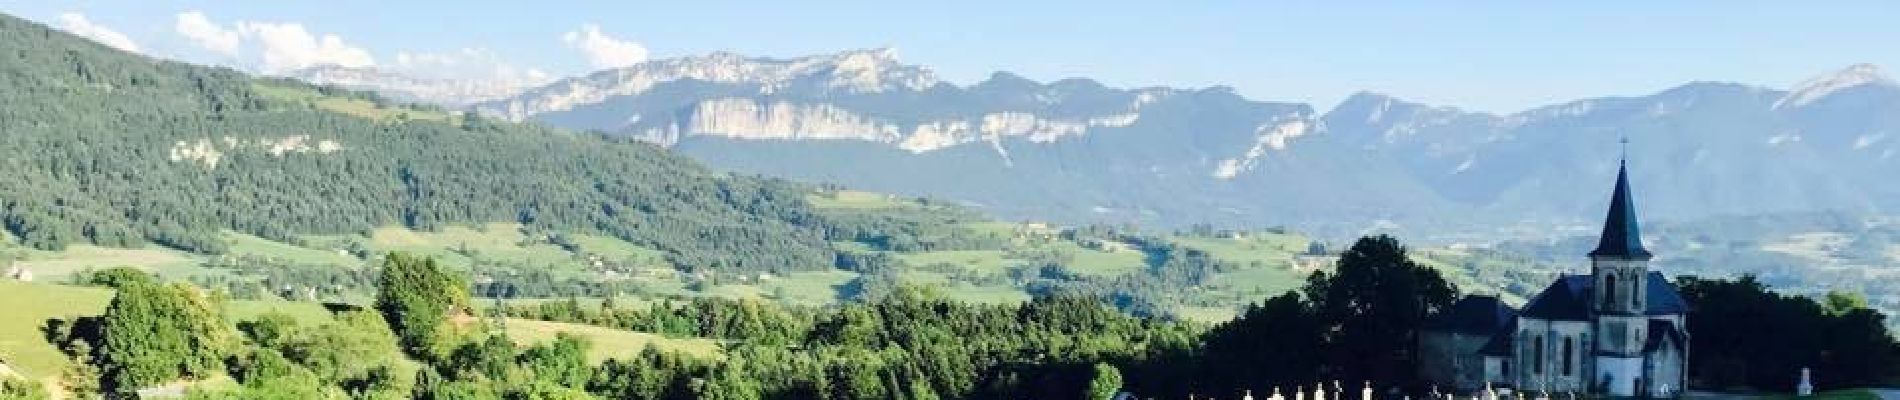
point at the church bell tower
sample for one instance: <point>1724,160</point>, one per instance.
<point>1620,268</point>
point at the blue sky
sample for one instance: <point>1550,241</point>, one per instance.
<point>1483,55</point>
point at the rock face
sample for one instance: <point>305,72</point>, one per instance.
<point>858,71</point>
<point>1077,151</point>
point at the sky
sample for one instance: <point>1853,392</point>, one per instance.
<point>1498,56</point>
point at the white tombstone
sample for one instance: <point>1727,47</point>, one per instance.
<point>1366,392</point>
<point>1276,394</point>
<point>1299,393</point>
<point>1246,394</point>
<point>1319,392</point>
<point>1806,387</point>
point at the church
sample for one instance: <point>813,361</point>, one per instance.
<point>1618,331</point>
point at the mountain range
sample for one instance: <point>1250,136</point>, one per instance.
<point>1077,151</point>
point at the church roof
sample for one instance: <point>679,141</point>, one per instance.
<point>1568,299</point>
<point>1621,238</point>
<point>1500,343</point>
<point>1661,330</point>
<point>1476,314</point>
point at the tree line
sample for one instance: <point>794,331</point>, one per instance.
<point>423,338</point>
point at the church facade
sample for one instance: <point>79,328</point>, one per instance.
<point>1618,331</point>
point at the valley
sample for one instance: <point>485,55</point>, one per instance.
<point>849,226</point>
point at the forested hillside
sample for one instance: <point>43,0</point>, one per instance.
<point>117,149</point>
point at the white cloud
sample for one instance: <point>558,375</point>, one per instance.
<point>278,47</point>
<point>604,51</point>
<point>284,47</point>
<point>288,46</point>
<point>195,26</point>
<point>79,25</point>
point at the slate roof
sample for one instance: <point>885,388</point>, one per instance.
<point>1569,299</point>
<point>1500,343</point>
<point>1660,331</point>
<point>1621,238</point>
<point>1478,315</point>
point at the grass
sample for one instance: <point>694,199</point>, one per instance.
<point>815,288</point>
<point>1842,394</point>
<point>983,261</point>
<point>242,244</point>
<point>1266,248</point>
<point>494,241</point>
<point>29,305</point>
<point>1464,269</point>
<point>348,106</point>
<point>1103,263</point>
<point>965,292</point>
<point>54,265</point>
<point>1004,229</point>
<point>855,200</point>
<point>609,343</point>
<point>616,249</point>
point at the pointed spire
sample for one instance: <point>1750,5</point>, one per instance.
<point>1621,236</point>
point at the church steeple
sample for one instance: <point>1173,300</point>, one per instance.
<point>1621,237</point>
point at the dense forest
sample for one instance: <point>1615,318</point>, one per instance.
<point>118,149</point>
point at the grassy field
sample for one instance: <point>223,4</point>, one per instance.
<point>29,305</point>
<point>1102,263</point>
<point>1265,248</point>
<point>985,294</point>
<point>616,249</point>
<point>242,244</point>
<point>980,261</point>
<point>814,288</point>
<point>56,265</point>
<point>855,200</point>
<point>349,106</point>
<point>456,244</point>
<point>608,342</point>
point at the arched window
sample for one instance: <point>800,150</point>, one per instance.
<point>1636,298</point>
<point>1609,290</point>
<point>1537,355</point>
<point>1567,356</point>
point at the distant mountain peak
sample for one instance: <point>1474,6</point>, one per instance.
<point>871,70</point>
<point>1821,86</point>
<point>404,87</point>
